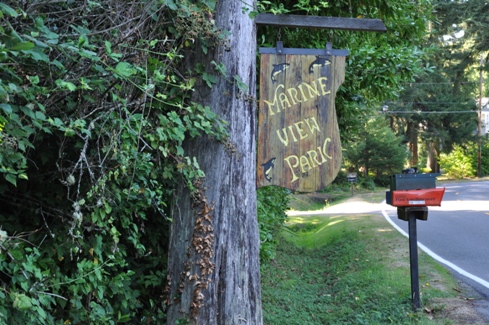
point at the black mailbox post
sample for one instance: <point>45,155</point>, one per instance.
<point>412,194</point>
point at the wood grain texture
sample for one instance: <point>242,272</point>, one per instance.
<point>341,23</point>
<point>298,136</point>
<point>217,280</point>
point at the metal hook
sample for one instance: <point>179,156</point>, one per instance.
<point>280,44</point>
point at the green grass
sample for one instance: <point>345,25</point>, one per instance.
<point>347,270</point>
<point>334,195</point>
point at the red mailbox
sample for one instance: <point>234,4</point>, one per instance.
<point>412,194</point>
<point>417,198</point>
<point>414,190</point>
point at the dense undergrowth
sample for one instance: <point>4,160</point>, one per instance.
<point>94,109</point>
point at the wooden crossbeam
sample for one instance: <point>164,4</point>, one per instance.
<point>357,24</point>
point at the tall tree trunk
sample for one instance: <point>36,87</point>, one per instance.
<point>432,162</point>
<point>213,263</point>
<point>412,133</point>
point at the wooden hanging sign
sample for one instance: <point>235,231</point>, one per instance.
<point>299,144</point>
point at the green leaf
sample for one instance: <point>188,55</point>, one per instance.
<point>180,151</point>
<point>69,132</point>
<point>220,67</point>
<point>33,79</point>
<point>37,56</point>
<point>125,69</point>
<point>241,85</point>
<point>58,64</point>
<point>22,46</point>
<point>65,85</point>
<point>11,179</point>
<point>6,108</point>
<point>40,116</point>
<point>108,208</point>
<point>209,79</point>
<point>27,111</point>
<point>108,47</point>
<point>23,176</point>
<point>89,54</point>
<point>40,311</point>
<point>3,237</point>
<point>22,302</point>
<point>8,10</point>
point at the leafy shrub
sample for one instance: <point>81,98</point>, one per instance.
<point>472,151</point>
<point>367,183</point>
<point>272,202</point>
<point>93,114</point>
<point>458,164</point>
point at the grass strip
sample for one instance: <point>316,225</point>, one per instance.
<point>347,270</point>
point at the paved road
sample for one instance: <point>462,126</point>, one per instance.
<point>457,233</point>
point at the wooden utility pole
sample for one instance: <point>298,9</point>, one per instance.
<point>213,262</point>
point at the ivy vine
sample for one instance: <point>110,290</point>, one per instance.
<point>95,107</point>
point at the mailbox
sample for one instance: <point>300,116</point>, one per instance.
<point>413,181</point>
<point>412,193</point>
<point>351,177</point>
<point>414,190</point>
<point>412,198</point>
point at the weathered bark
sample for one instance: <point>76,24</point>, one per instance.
<point>432,161</point>
<point>213,264</point>
<point>412,133</point>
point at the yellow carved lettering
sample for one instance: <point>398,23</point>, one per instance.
<point>312,89</point>
<point>275,101</point>
<point>323,86</point>
<point>292,132</point>
<point>325,147</point>
<point>292,166</point>
<point>323,158</point>
<point>284,132</point>
<point>312,124</point>
<point>305,166</point>
<point>303,95</point>
<point>314,158</point>
<point>299,129</point>
<point>284,100</point>
<point>308,161</point>
<point>293,96</point>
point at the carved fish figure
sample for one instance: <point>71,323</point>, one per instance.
<point>278,68</point>
<point>320,61</point>
<point>268,166</point>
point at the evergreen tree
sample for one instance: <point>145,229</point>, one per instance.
<point>378,151</point>
<point>439,108</point>
<point>436,112</point>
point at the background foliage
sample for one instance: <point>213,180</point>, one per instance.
<point>94,108</point>
<point>463,160</point>
<point>94,112</point>
<point>377,152</point>
<point>378,64</point>
<point>272,204</point>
